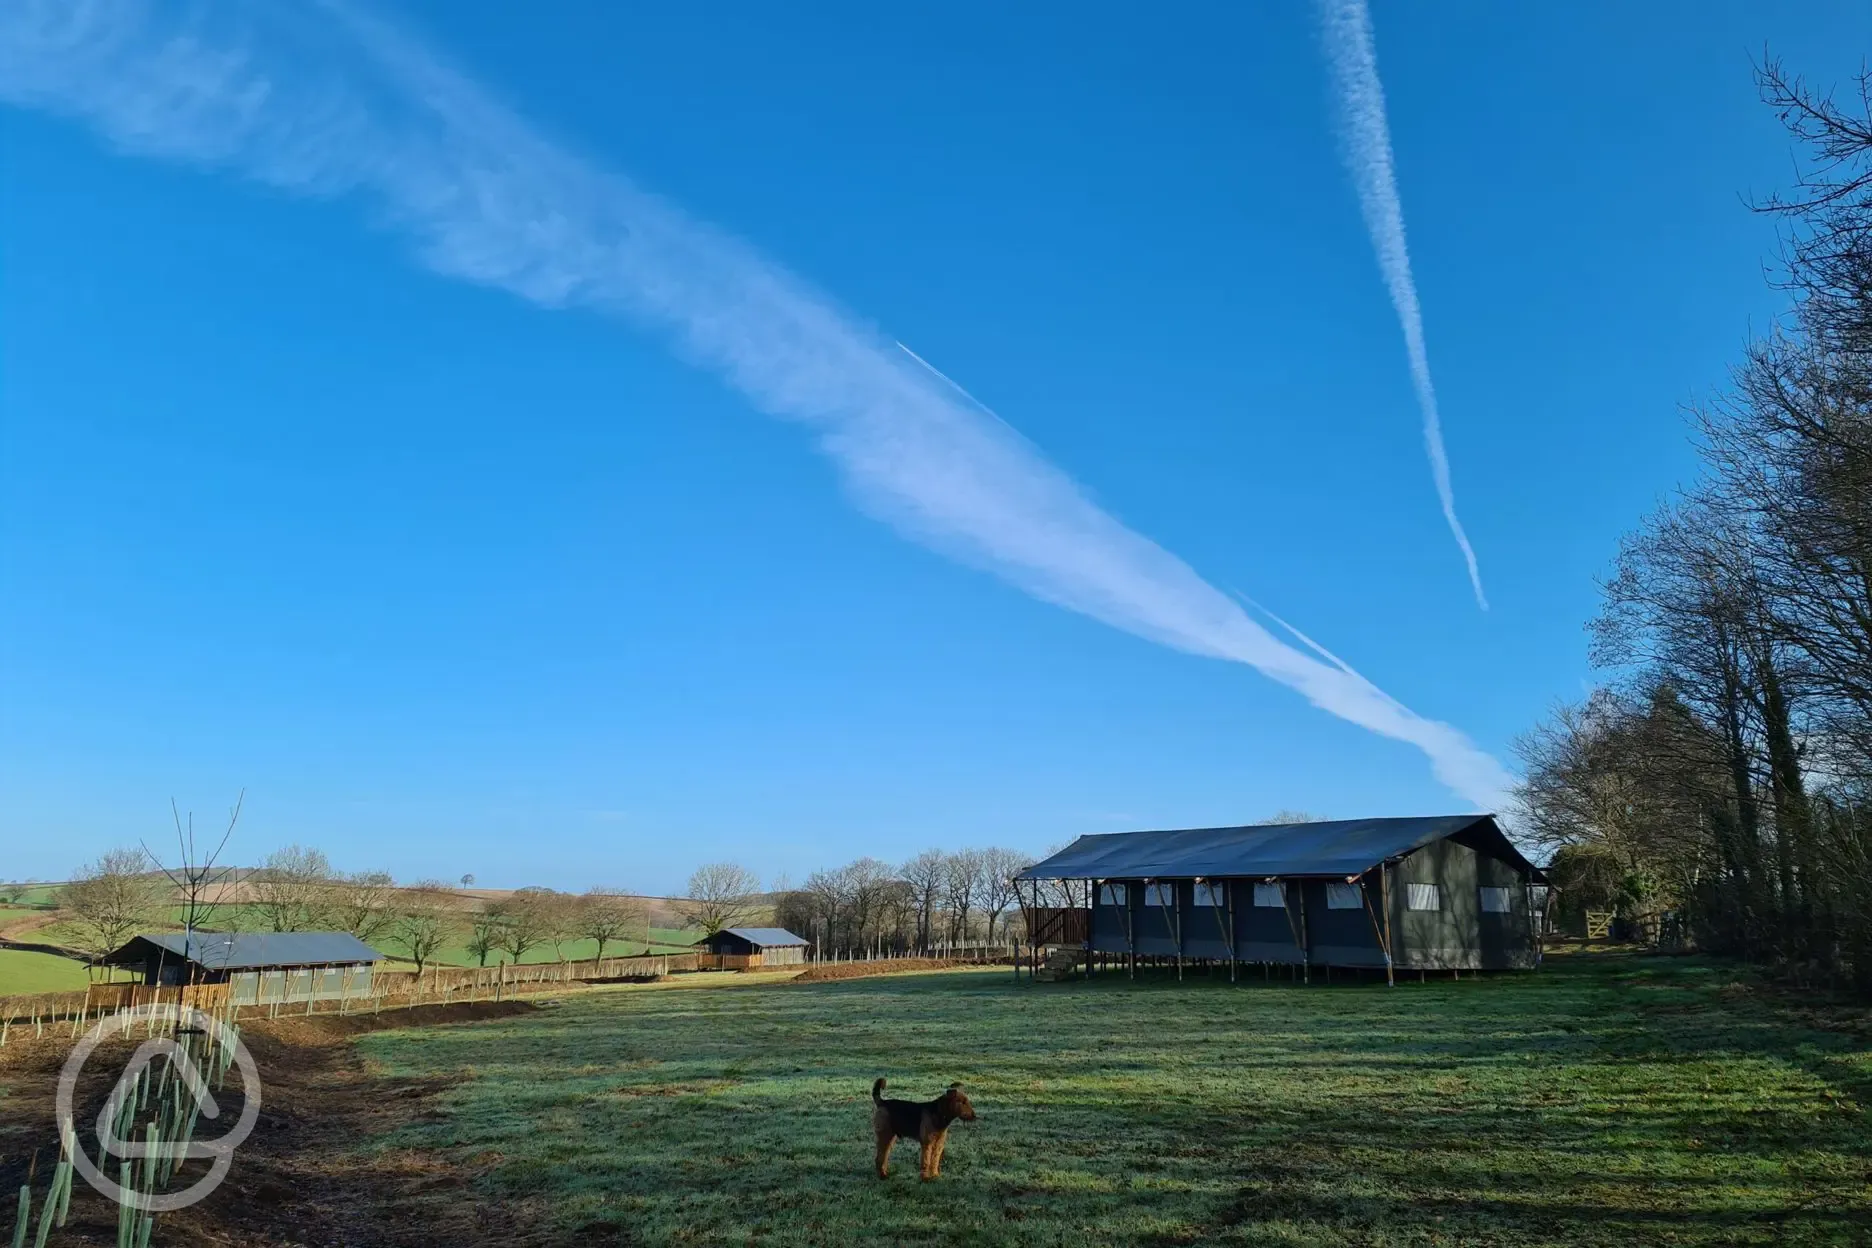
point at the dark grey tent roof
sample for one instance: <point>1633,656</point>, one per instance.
<point>766,937</point>
<point>1337,848</point>
<point>247,950</point>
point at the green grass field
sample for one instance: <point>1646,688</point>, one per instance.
<point>1604,1100</point>
<point>39,894</point>
<point>24,971</point>
<point>666,940</point>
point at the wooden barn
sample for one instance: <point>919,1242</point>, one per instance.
<point>259,967</point>
<point>752,948</point>
<point>1438,893</point>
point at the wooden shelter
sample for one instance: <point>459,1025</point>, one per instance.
<point>258,967</point>
<point>1438,893</point>
<point>752,948</point>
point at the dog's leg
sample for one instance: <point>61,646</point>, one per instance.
<point>884,1143</point>
<point>936,1151</point>
<point>926,1160</point>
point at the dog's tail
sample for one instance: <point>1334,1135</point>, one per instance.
<point>877,1090</point>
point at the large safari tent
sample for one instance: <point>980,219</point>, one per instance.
<point>1436,893</point>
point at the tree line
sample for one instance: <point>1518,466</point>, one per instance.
<point>296,890</point>
<point>936,899</point>
<point>1720,782</point>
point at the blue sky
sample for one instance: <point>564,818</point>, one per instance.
<point>451,581</point>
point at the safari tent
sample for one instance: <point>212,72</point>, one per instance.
<point>1444,892</point>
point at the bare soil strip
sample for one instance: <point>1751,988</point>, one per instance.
<point>302,1177</point>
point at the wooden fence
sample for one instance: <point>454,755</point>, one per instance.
<point>112,997</point>
<point>436,985</point>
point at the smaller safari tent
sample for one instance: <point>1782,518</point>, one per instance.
<point>751,948</point>
<point>259,967</point>
<point>1437,893</point>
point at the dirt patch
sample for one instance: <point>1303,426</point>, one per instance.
<point>299,1178</point>
<point>883,966</point>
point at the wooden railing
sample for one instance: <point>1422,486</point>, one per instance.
<point>436,985</point>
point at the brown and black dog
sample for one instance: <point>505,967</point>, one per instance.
<point>926,1122</point>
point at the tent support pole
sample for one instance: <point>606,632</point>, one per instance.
<point>1382,932</point>
<point>1390,963</point>
<point>1130,931</point>
<point>1172,921</point>
<point>1225,917</point>
<point>1306,952</point>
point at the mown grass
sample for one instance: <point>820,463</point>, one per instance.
<point>1601,1101</point>
<point>23,971</point>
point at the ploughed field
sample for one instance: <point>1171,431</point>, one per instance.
<point>1607,1099</point>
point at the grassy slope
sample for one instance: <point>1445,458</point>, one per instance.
<point>21,971</point>
<point>668,940</point>
<point>1603,1101</point>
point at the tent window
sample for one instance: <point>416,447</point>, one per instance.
<point>1342,897</point>
<point>1273,896</point>
<point>1422,897</point>
<point>1111,895</point>
<point>1159,895</point>
<point>1215,895</point>
<point>1495,900</point>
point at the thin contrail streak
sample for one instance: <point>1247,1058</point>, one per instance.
<point>1366,139</point>
<point>1301,637</point>
<point>323,101</point>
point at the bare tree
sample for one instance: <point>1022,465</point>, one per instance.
<point>721,894</point>
<point>527,918</point>
<point>424,919</point>
<point>564,912</point>
<point>821,904</point>
<point>1281,817</point>
<point>484,933</point>
<point>196,877</point>
<point>291,892</point>
<point>363,903</point>
<point>998,869</point>
<point>925,875</point>
<point>962,890</point>
<point>112,899</point>
<point>867,884</point>
<point>606,914</point>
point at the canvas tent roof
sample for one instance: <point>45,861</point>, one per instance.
<point>1336,848</point>
<point>766,937</point>
<point>247,950</point>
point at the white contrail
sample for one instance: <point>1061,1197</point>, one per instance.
<point>1367,144</point>
<point>1301,637</point>
<point>324,101</point>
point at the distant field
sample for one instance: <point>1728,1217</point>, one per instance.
<point>1607,1100</point>
<point>40,894</point>
<point>664,940</point>
<point>22,971</point>
<point>64,933</point>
